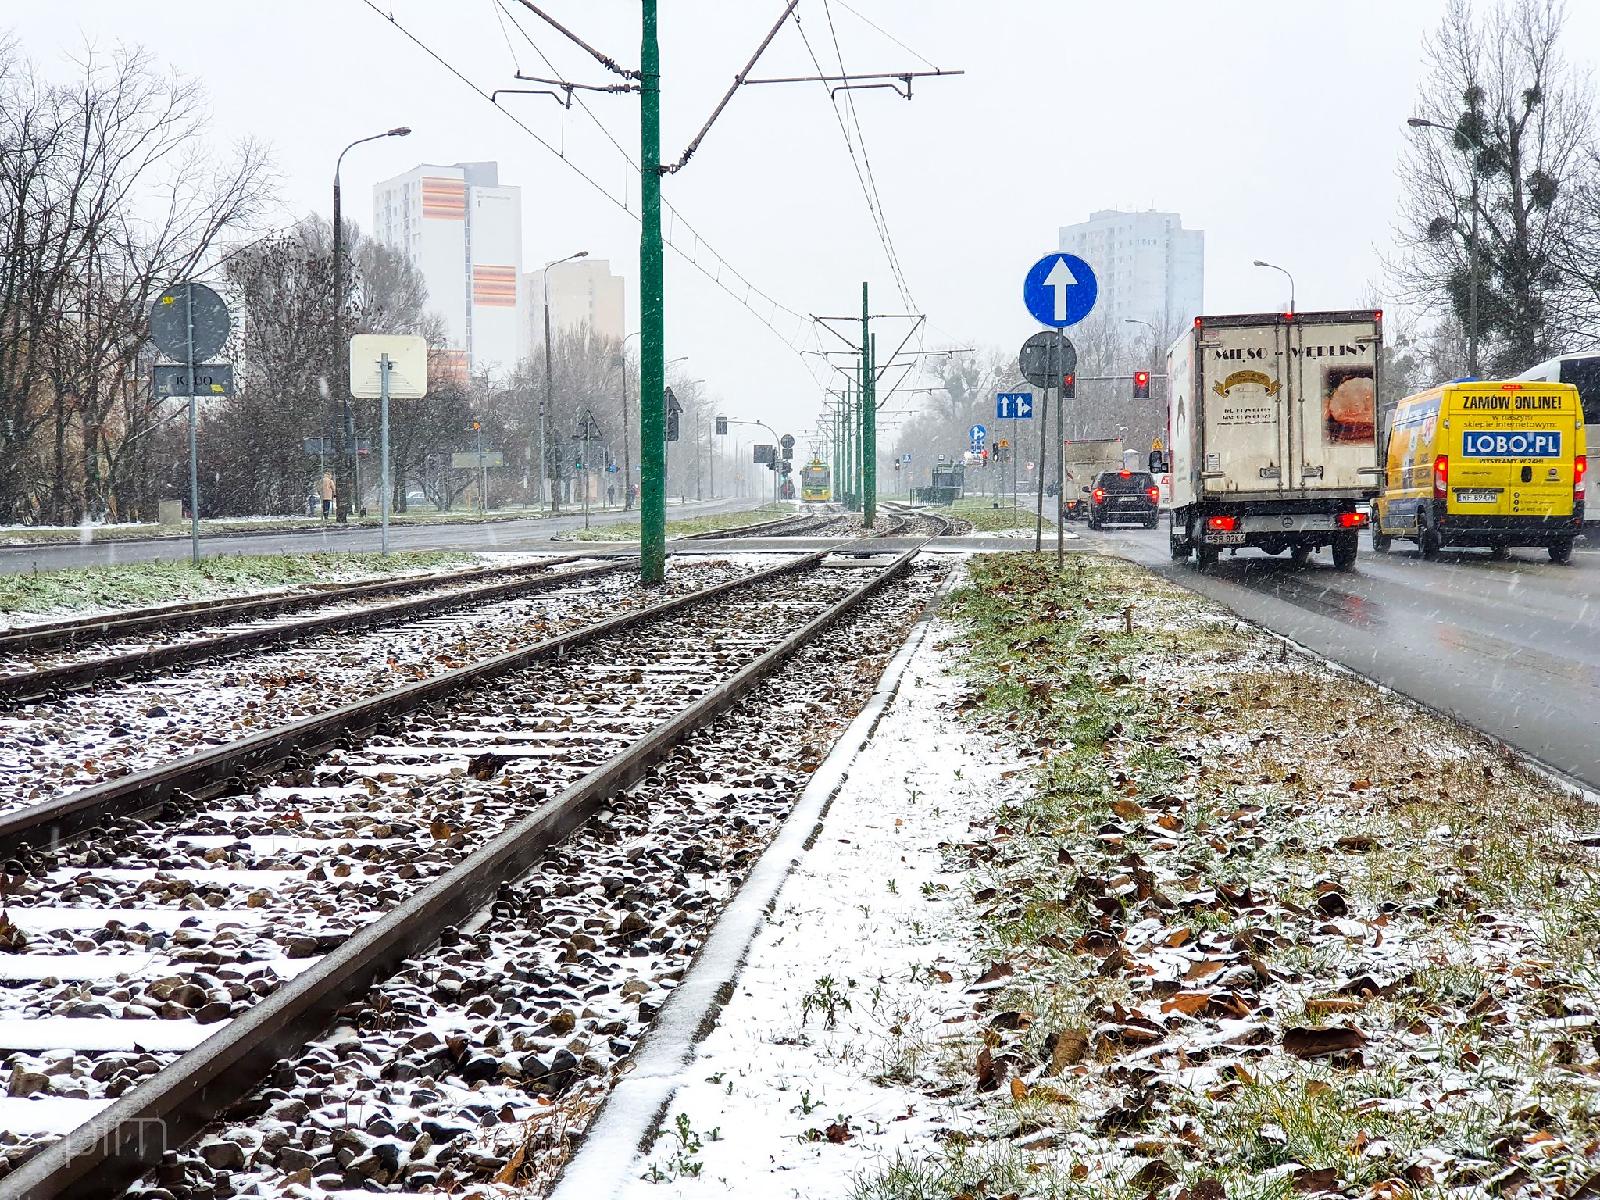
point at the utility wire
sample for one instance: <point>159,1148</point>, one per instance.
<point>886,33</point>
<point>677,216</point>
<point>582,174</point>
<point>872,212</point>
<point>866,159</point>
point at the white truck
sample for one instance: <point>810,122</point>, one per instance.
<point>1082,459</point>
<point>1272,432</point>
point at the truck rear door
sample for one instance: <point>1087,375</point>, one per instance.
<point>1245,437</point>
<point>1331,375</point>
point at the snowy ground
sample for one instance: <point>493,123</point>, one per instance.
<point>1131,899</point>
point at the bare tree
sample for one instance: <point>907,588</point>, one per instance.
<point>107,194</point>
<point>1508,121</point>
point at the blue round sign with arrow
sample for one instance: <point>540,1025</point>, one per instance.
<point>1060,290</point>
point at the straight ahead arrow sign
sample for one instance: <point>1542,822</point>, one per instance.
<point>1060,290</point>
<point>1060,280</point>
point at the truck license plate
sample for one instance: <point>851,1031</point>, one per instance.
<point>1477,497</point>
<point>1225,539</point>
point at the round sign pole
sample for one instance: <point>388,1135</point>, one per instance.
<point>1061,452</point>
<point>194,406</point>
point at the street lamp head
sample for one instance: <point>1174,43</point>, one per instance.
<point>399,131</point>
<point>1419,123</point>
<point>1259,263</point>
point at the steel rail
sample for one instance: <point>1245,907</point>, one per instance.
<point>211,772</point>
<point>51,681</point>
<point>110,1149</point>
<point>54,633</point>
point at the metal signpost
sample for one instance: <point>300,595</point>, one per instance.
<point>1014,406</point>
<point>588,430</point>
<point>1058,290</point>
<point>190,322</point>
<point>384,365</point>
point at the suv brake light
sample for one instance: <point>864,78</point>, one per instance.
<point>1223,524</point>
<point>1580,471</point>
<point>1154,494</point>
<point>1098,495</point>
<point>1125,474</point>
<point>1441,477</point>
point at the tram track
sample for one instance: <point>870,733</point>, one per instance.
<point>89,736</point>
<point>578,770</point>
<point>74,672</point>
<point>31,639</point>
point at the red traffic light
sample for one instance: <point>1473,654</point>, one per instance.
<point>1141,385</point>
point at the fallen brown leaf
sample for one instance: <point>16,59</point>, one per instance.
<point>1318,1043</point>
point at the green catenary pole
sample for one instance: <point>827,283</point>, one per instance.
<point>869,420</point>
<point>652,300</point>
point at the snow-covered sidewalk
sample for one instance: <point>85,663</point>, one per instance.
<point>845,986</point>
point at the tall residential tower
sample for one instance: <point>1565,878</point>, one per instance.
<point>1149,267</point>
<point>463,231</point>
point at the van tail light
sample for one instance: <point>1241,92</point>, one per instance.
<point>1155,494</point>
<point>1222,524</point>
<point>1098,495</point>
<point>1580,471</point>
<point>1353,520</point>
<point>1441,477</point>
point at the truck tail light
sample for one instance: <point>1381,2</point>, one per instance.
<point>1222,524</point>
<point>1352,520</point>
<point>1098,495</point>
<point>1580,471</point>
<point>1441,477</point>
<point>1155,494</point>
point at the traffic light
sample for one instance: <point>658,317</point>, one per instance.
<point>722,426</point>
<point>1141,385</point>
<point>1069,386</point>
<point>673,409</point>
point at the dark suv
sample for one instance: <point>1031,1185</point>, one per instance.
<point>1128,497</point>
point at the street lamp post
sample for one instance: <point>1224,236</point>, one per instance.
<point>347,461</point>
<point>1472,240</point>
<point>547,399</point>
<point>1286,275</point>
<point>699,491</point>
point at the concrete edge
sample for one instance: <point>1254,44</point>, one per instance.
<point>631,1114</point>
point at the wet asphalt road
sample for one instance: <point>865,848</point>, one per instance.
<point>1511,647</point>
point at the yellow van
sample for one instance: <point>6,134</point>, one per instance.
<point>1484,464</point>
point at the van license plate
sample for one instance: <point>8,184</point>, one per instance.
<point>1477,497</point>
<point>1225,539</point>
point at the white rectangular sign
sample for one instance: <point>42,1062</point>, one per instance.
<point>408,365</point>
<point>468,459</point>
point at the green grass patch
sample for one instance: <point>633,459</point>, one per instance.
<point>91,534</point>
<point>984,517</point>
<point>134,585</point>
<point>710,523</point>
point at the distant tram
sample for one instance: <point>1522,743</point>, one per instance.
<point>816,481</point>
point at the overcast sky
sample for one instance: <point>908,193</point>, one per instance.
<point>1274,127</point>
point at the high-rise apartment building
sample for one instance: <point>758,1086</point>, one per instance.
<point>1149,267</point>
<point>463,231</point>
<point>582,292</point>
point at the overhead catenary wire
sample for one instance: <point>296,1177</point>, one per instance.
<point>878,223</point>
<point>677,216</point>
<point>866,161</point>
<point>579,171</point>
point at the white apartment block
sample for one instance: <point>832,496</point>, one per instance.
<point>463,231</point>
<point>1149,267</point>
<point>582,292</point>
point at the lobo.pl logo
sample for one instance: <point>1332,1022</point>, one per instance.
<point>1511,443</point>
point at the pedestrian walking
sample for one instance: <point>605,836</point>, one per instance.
<point>611,495</point>
<point>328,492</point>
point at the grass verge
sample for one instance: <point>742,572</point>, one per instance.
<point>980,513</point>
<point>133,585</point>
<point>711,523</point>
<point>1251,928</point>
